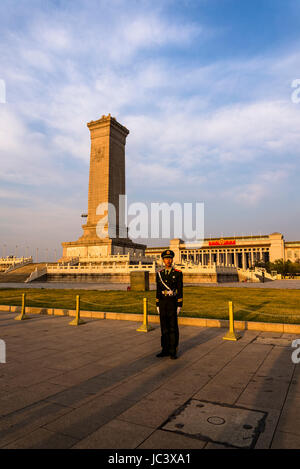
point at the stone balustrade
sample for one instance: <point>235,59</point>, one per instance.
<point>127,268</point>
<point>14,260</point>
<point>92,269</point>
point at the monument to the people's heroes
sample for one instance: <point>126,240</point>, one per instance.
<point>106,183</point>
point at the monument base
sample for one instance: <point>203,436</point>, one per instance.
<point>101,248</point>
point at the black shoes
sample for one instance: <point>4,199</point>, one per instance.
<point>163,354</point>
<point>173,356</point>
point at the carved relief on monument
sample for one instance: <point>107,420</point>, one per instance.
<point>97,154</point>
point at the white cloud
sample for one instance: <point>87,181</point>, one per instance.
<point>237,133</point>
<point>258,190</point>
<point>26,155</point>
<point>52,37</point>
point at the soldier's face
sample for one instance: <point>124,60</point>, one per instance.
<point>168,261</point>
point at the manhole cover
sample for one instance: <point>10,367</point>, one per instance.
<point>216,420</point>
<point>233,426</point>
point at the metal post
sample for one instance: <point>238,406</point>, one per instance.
<point>231,335</point>
<point>77,321</point>
<point>22,316</point>
<point>145,326</point>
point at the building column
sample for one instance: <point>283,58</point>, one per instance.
<point>235,258</point>
<point>243,259</point>
<point>210,258</point>
<point>251,258</point>
<point>226,258</point>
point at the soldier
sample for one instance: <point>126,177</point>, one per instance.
<point>169,292</point>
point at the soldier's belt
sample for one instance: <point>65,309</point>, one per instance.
<point>169,293</point>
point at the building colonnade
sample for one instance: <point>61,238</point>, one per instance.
<point>240,257</point>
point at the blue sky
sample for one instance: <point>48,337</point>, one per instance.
<point>204,86</point>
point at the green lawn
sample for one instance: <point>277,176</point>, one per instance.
<point>265,305</point>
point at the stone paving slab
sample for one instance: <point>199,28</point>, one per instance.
<point>286,440</point>
<point>88,418</point>
<point>116,434</point>
<point>167,440</point>
<point>152,410</point>
<point>101,386</point>
<point>290,416</point>
<point>43,439</point>
<point>13,401</point>
<point>264,393</point>
<point>21,423</point>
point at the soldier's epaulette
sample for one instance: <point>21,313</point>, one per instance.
<point>177,270</point>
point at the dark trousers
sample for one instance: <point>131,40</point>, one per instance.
<point>169,324</point>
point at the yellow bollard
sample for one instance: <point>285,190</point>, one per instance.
<point>231,335</point>
<point>77,321</point>
<point>145,326</point>
<point>22,316</point>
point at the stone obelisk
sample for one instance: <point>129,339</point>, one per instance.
<point>106,183</point>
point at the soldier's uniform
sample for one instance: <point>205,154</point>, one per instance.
<point>168,300</point>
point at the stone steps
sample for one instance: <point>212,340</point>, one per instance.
<point>20,274</point>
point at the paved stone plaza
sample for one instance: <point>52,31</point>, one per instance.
<point>100,386</point>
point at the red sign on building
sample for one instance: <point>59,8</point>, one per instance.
<point>222,242</point>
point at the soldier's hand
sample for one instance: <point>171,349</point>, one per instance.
<point>178,310</point>
<point>157,307</point>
